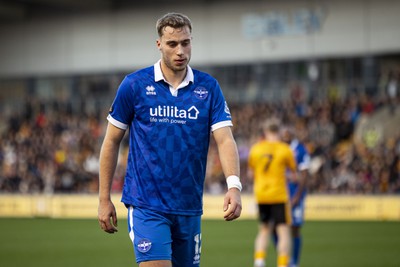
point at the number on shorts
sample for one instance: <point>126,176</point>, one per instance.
<point>197,240</point>
<point>197,248</point>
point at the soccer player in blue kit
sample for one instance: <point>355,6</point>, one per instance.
<point>297,190</point>
<point>171,111</point>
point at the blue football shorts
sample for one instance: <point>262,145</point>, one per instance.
<point>298,210</point>
<point>159,236</point>
<point>298,213</point>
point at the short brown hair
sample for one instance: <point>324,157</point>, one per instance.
<point>272,125</point>
<point>174,20</point>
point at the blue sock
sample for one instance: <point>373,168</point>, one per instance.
<point>296,250</point>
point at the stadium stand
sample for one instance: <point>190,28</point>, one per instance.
<point>52,145</point>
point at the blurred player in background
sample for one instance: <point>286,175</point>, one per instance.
<point>297,189</point>
<point>269,160</point>
<point>170,110</point>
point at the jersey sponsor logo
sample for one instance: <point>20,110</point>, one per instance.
<point>151,90</point>
<point>144,245</point>
<point>200,93</point>
<point>174,112</point>
<point>173,115</point>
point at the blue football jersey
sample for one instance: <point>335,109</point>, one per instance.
<point>303,162</point>
<point>169,134</point>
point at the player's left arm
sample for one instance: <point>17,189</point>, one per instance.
<point>229,158</point>
<point>292,167</point>
<point>302,175</point>
<point>301,180</point>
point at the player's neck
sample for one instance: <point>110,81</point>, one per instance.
<point>272,137</point>
<point>174,78</point>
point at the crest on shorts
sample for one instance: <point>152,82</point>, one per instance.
<point>144,245</point>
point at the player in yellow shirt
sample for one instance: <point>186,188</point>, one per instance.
<point>269,161</point>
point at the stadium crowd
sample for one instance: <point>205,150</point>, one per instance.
<point>48,148</point>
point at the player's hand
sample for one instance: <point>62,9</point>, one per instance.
<point>232,204</point>
<point>107,217</point>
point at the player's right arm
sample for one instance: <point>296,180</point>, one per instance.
<point>107,215</point>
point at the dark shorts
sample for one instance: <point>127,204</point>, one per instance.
<point>158,236</point>
<point>275,213</point>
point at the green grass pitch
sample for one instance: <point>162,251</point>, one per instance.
<point>80,243</point>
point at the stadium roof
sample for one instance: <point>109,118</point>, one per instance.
<point>22,10</point>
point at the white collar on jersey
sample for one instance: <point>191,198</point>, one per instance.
<point>158,75</point>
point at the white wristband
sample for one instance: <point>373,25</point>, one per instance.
<point>234,181</point>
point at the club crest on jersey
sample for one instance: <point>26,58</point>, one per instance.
<point>150,90</point>
<point>144,245</point>
<point>201,93</point>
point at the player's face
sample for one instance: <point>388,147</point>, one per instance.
<point>176,48</point>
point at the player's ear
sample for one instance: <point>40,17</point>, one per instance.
<point>158,43</point>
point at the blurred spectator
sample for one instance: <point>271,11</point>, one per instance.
<point>392,90</point>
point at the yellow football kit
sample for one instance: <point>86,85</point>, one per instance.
<point>269,162</point>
